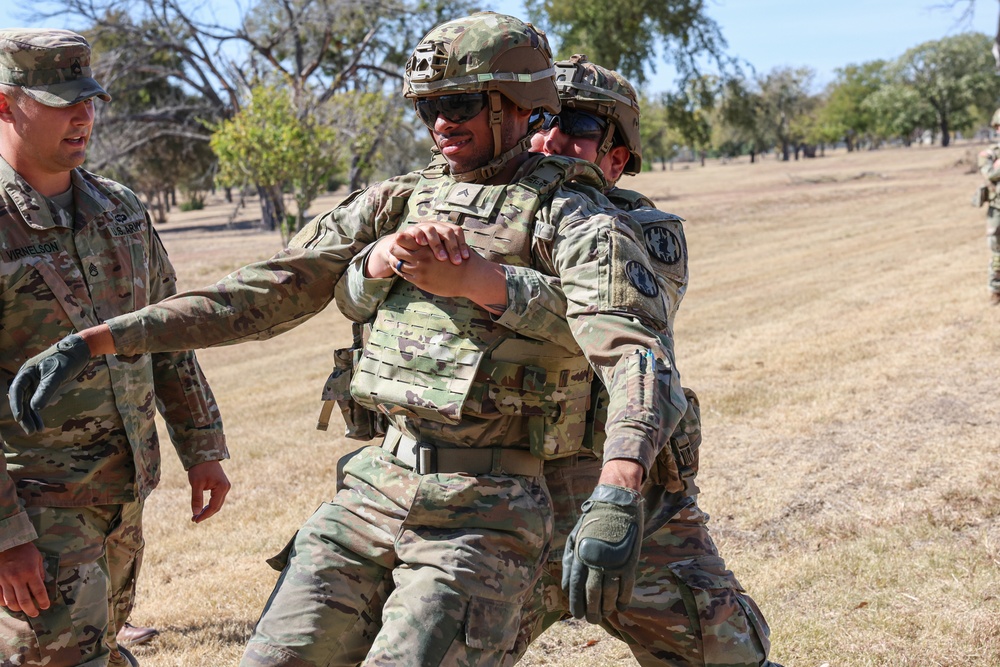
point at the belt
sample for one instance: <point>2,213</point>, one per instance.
<point>427,459</point>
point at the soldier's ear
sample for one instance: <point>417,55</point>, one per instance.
<point>614,163</point>
<point>6,114</point>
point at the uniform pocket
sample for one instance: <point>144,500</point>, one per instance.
<point>733,631</point>
<point>492,624</point>
<point>54,628</point>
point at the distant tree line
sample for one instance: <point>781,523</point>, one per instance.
<point>290,98</point>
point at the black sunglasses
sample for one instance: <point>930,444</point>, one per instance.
<point>458,108</point>
<point>575,123</point>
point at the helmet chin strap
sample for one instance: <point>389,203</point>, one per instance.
<point>499,160</point>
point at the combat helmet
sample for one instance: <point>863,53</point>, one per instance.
<point>996,118</point>
<point>607,94</point>
<point>490,53</point>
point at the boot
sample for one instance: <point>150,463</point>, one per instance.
<point>130,635</point>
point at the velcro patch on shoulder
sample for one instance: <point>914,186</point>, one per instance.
<point>632,282</point>
<point>663,244</point>
<point>641,278</point>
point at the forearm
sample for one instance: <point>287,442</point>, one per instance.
<point>536,307</point>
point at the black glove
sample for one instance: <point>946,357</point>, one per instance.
<point>601,553</point>
<point>41,377</point>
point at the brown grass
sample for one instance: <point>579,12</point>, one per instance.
<point>838,331</point>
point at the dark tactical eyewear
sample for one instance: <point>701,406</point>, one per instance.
<point>458,108</point>
<point>575,123</point>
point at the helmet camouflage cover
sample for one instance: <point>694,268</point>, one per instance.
<point>605,93</point>
<point>484,52</point>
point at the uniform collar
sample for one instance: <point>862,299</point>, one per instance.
<point>35,209</point>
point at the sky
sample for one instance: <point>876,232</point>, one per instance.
<point>825,35</point>
<point>775,33</point>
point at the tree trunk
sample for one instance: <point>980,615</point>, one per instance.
<point>158,214</point>
<point>945,133</point>
<point>354,173</point>
<point>272,207</point>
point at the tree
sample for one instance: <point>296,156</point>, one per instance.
<point>266,143</point>
<point>899,112</point>
<point>690,113</point>
<point>742,120</point>
<point>315,48</point>
<point>624,36</point>
<point>953,75</point>
<point>660,141</point>
<point>784,95</point>
<point>845,114</point>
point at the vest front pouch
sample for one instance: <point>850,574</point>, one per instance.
<point>545,384</point>
<point>421,359</point>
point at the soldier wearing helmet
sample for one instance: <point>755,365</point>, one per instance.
<point>989,167</point>
<point>599,122</point>
<point>434,539</point>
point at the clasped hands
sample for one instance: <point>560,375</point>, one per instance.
<point>435,257</point>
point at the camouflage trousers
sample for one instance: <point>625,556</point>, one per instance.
<point>687,609</point>
<point>404,569</point>
<point>993,237</point>
<point>92,557</point>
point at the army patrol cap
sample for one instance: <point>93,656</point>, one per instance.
<point>51,66</point>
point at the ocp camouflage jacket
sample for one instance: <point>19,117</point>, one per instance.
<point>56,277</point>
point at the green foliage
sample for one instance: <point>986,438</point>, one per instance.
<point>690,113</point>
<point>660,141</point>
<point>845,114</point>
<point>625,36</point>
<point>194,203</point>
<point>269,145</point>
<point>953,75</point>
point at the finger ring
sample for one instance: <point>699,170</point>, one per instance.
<point>399,266</point>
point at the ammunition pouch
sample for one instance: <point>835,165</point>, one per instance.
<point>676,466</point>
<point>551,392</point>
<point>361,423</point>
<point>983,195</point>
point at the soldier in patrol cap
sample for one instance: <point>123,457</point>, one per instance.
<point>76,249</point>
<point>433,540</point>
<point>989,167</point>
<point>599,122</point>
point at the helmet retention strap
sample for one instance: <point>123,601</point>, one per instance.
<point>496,121</point>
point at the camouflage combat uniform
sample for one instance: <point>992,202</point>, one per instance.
<point>343,582</point>
<point>989,167</point>
<point>76,488</point>
<point>688,608</point>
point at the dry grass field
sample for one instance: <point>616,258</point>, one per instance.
<point>838,331</point>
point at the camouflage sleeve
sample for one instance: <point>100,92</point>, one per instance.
<point>619,319</point>
<point>536,307</point>
<point>15,526</point>
<point>266,298</point>
<point>183,395</point>
<point>358,297</point>
<point>989,164</point>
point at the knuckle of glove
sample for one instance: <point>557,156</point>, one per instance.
<point>606,554</point>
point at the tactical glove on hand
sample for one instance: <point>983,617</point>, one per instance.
<point>601,553</point>
<point>41,377</point>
